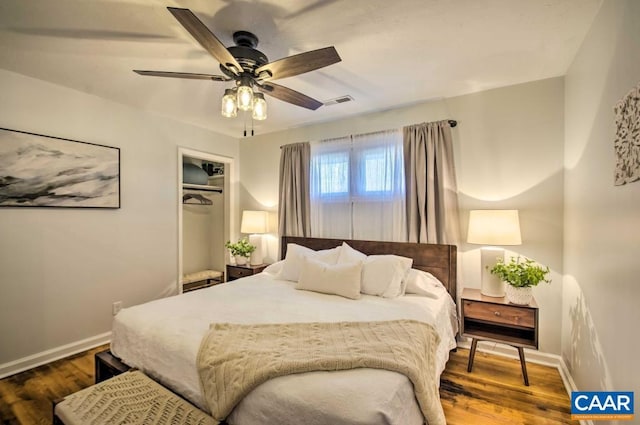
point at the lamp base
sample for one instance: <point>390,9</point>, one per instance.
<point>256,256</point>
<point>492,286</point>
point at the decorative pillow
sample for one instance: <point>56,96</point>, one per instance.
<point>382,275</point>
<point>336,279</point>
<point>350,255</point>
<point>293,260</point>
<point>423,283</point>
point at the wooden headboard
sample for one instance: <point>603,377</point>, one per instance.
<point>439,260</point>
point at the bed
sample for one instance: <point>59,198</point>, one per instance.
<point>162,339</point>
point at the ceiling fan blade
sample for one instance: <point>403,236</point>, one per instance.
<point>291,96</point>
<point>182,75</point>
<point>301,63</point>
<point>205,37</point>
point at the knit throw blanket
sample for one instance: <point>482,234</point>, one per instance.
<point>234,359</point>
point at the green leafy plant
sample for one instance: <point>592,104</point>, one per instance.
<point>241,248</point>
<point>520,273</point>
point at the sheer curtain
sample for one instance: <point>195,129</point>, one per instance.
<point>293,207</point>
<point>432,191</point>
<point>358,187</point>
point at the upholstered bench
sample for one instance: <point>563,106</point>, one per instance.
<point>201,279</point>
<point>128,398</point>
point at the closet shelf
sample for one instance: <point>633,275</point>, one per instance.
<point>203,187</point>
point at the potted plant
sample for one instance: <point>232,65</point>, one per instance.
<point>520,276</point>
<point>241,250</point>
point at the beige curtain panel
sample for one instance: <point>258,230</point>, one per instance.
<point>431,188</point>
<point>293,208</point>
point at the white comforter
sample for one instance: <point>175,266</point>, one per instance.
<point>162,338</point>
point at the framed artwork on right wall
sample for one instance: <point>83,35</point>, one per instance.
<point>627,140</point>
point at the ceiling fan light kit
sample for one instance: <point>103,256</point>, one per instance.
<point>245,97</point>
<point>259,107</point>
<point>250,69</point>
<point>229,105</point>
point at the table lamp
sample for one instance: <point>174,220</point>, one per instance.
<point>490,228</point>
<point>255,223</point>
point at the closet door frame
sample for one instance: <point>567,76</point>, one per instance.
<point>230,200</point>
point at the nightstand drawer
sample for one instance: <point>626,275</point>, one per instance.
<point>495,313</point>
<point>238,272</point>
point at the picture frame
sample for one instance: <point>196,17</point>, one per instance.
<point>45,171</point>
<point>627,138</point>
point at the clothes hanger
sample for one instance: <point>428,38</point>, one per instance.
<point>201,200</point>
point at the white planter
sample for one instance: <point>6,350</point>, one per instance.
<point>521,296</point>
<point>240,260</point>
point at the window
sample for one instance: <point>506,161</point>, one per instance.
<point>357,187</point>
<point>333,169</point>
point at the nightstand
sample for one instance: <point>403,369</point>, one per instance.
<point>496,319</point>
<point>236,272</point>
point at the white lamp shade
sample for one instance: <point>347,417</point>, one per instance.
<point>494,227</point>
<point>254,222</point>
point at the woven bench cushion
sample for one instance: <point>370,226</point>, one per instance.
<point>129,398</point>
<point>201,275</point>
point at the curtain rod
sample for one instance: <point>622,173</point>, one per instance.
<point>452,123</point>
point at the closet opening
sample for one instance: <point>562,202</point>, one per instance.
<point>204,213</point>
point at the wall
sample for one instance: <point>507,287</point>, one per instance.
<point>508,152</point>
<point>61,269</point>
<point>602,221</point>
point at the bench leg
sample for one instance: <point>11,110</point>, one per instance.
<point>56,419</point>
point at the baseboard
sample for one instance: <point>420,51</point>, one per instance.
<point>44,357</point>
<point>533,356</point>
<point>570,385</point>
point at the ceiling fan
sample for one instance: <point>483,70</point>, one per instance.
<point>249,68</point>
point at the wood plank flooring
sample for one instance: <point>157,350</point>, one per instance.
<point>26,398</point>
<point>492,394</point>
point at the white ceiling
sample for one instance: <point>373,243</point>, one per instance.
<point>393,53</point>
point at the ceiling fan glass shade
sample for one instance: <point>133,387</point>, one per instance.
<point>259,107</point>
<point>229,108</point>
<point>245,98</point>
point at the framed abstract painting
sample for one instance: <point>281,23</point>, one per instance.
<point>45,171</point>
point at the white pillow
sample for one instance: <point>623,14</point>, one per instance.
<point>274,268</point>
<point>293,260</point>
<point>423,283</point>
<point>350,255</point>
<point>382,275</point>
<point>335,279</point>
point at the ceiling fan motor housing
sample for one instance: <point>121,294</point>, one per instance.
<point>245,53</point>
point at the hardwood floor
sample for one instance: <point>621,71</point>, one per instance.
<point>495,394</point>
<point>26,398</point>
<point>492,394</point>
